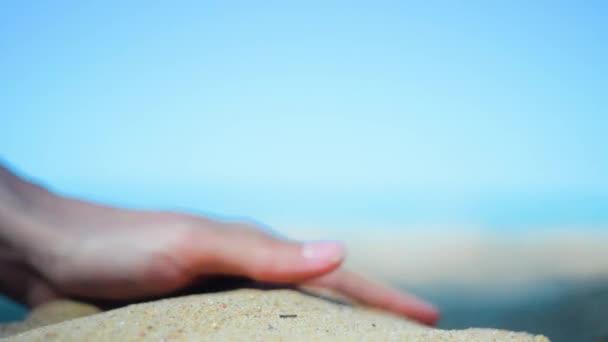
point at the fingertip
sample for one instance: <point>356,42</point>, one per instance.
<point>430,316</point>
<point>435,318</point>
<point>421,311</point>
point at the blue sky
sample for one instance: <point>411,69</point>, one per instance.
<point>491,112</point>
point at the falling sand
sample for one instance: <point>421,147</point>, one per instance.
<point>244,314</point>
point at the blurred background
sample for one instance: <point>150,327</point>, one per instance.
<point>458,147</point>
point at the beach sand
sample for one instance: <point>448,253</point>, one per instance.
<point>245,315</point>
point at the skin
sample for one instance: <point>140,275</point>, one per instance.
<point>55,247</point>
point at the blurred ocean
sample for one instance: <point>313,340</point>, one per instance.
<point>563,310</point>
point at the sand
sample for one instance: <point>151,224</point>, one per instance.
<point>243,314</point>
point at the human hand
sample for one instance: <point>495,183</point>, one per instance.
<point>104,253</point>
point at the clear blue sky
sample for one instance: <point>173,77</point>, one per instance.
<point>383,111</point>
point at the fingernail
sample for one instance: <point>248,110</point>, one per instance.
<point>326,251</point>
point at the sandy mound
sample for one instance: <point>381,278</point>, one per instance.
<point>247,314</point>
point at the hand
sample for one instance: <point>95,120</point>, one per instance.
<point>106,253</point>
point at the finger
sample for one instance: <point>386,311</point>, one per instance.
<point>264,258</point>
<point>377,295</point>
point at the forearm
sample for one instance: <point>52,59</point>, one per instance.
<point>22,205</point>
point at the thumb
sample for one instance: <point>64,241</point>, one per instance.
<point>264,258</point>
